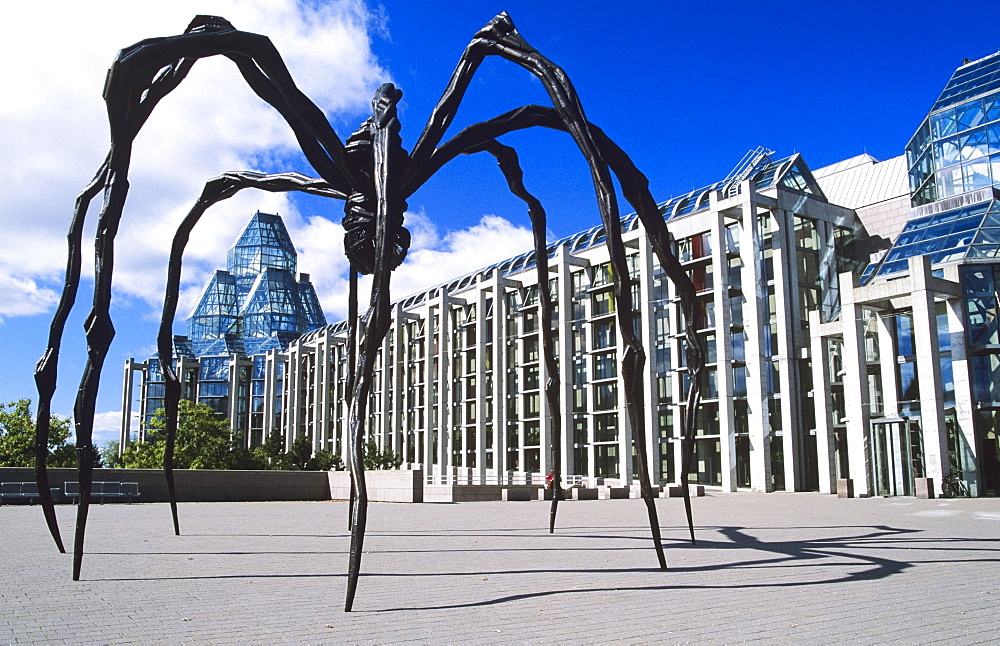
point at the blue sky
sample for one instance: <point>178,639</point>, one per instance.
<point>685,88</point>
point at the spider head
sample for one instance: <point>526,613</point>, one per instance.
<point>384,103</point>
<point>203,23</point>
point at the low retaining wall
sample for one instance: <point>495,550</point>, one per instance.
<point>382,486</point>
<point>462,493</point>
<point>198,485</point>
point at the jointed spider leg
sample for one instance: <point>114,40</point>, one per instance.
<point>635,188</point>
<point>47,367</point>
<point>216,190</point>
<point>500,37</point>
<point>140,76</point>
<point>389,206</point>
<point>352,356</point>
<point>510,167</point>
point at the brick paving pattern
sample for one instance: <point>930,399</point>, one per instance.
<point>777,568</point>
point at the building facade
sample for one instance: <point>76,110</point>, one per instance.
<point>850,317</point>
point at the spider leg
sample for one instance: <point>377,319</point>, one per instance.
<point>509,44</point>
<point>47,367</point>
<point>140,76</point>
<point>499,37</point>
<point>352,348</point>
<point>635,188</point>
<point>510,167</point>
<point>216,190</point>
<point>388,155</point>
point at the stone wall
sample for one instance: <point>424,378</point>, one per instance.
<point>198,485</point>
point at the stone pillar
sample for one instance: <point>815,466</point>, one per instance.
<point>724,352</point>
<point>755,322</point>
<point>825,444</point>
<point>786,299</point>
<point>887,365</point>
<point>964,412</point>
<point>482,295</point>
<point>925,343</point>
<point>856,395</point>
<point>128,384</point>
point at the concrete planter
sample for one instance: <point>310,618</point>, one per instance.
<point>382,486</point>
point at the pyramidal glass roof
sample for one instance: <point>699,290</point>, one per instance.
<point>256,304</point>
<point>971,80</point>
<point>264,244</point>
<point>950,236</point>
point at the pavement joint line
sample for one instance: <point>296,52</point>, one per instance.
<point>767,569</point>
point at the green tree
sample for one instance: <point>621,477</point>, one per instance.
<point>109,455</point>
<point>270,453</point>
<point>203,441</point>
<point>299,454</point>
<point>17,437</point>
<point>323,460</point>
<point>374,458</point>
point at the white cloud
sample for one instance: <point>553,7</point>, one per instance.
<point>56,135</point>
<point>23,297</point>
<point>107,426</point>
<point>434,260</point>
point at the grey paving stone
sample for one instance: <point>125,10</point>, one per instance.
<point>777,568</point>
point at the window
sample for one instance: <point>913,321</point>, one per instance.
<point>605,366</point>
<point>603,303</point>
<point>604,335</point>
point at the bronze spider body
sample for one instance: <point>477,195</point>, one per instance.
<point>374,175</point>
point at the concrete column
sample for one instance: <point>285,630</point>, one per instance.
<point>270,369</point>
<point>755,322</point>
<point>499,375</point>
<point>293,373</point>
<point>444,385</point>
<point>624,424</point>
<point>128,385</point>
<point>321,393</point>
<point>647,260</point>
<point>396,424</point>
<point>565,265</point>
<point>887,365</point>
<point>825,444</point>
<point>856,395</point>
<point>925,343</point>
<point>964,412</point>
<point>482,296</point>
<point>724,352</point>
<point>786,292</point>
<point>430,427</point>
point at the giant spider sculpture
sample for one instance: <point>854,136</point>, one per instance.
<point>375,175</point>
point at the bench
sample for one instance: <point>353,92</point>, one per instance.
<point>102,490</point>
<point>18,491</point>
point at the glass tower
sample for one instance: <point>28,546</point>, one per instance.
<point>956,149</point>
<point>255,304</point>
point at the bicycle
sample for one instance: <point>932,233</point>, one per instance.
<point>953,486</point>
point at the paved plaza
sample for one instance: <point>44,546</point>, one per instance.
<point>773,568</point>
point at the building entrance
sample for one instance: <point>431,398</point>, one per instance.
<point>896,456</point>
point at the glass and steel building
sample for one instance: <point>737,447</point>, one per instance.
<point>255,305</point>
<point>851,317</point>
<point>458,383</point>
<point>914,365</point>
